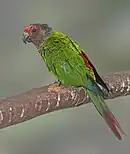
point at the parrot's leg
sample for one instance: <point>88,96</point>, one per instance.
<point>57,82</point>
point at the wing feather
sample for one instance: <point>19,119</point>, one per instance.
<point>91,67</point>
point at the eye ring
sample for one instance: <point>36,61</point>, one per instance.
<point>33,30</point>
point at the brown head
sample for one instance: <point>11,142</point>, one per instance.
<point>36,33</point>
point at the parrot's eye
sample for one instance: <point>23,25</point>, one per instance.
<point>33,30</point>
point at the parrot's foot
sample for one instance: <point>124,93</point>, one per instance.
<point>57,82</point>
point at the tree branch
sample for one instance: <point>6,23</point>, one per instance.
<point>39,101</point>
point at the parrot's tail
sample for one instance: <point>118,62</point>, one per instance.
<point>104,111</point>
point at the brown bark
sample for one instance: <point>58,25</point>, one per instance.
<point>39,101</point>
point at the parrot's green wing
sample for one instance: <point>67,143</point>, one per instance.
<point>91,67</point>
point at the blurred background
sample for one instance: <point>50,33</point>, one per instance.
<point>102,28</point>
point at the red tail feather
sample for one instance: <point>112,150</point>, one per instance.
<point>113,124</point>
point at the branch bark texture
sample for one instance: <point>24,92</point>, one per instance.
<point>39,101</point>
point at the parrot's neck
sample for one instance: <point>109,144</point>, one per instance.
<point>41,37</point>
<point>38,41</point>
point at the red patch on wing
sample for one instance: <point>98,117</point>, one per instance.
<point>85,58</point>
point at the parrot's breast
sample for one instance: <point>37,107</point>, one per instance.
<point>68,73</point>
<point>61,60</point>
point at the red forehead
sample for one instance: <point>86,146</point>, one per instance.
<point>28,28</point>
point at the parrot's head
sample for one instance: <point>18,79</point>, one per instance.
<point>36,33</point>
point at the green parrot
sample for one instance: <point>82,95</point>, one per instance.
<point>70,65</point>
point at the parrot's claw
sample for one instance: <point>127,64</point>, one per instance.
<point>57,82</point>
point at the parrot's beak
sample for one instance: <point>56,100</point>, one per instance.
<point>26,38</point>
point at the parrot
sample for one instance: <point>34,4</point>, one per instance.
<point>68,62</point>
